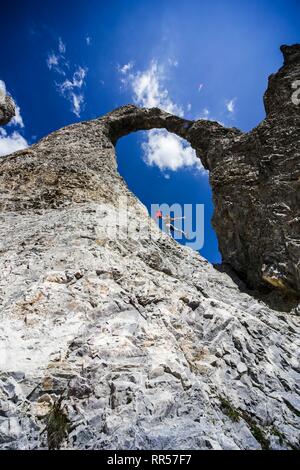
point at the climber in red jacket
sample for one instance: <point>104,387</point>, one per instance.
<point>168,222</point>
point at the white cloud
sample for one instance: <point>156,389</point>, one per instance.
<point>17,120</point>
<point>61,46</point>
<point>10,143</point>
<point>204,114</point>
<point>168,151</point>
<point>56,62</point>
<point>162,149</point>
<point>200,86</point>
<point>148,90</point>
<point>52,60</point>
<point>173,62</point>
<point>71,87</point>
<point>230,105</point>
<point>76,82</point>
<point>77,100</point>
<point>88,40</point>
<point>124,69</point>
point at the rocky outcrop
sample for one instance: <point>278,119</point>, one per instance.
<point>256,186</point>
<point>114,336</point>
<point>254,176</point>
<point>7,109</point>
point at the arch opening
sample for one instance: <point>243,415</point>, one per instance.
<point>161,168</point>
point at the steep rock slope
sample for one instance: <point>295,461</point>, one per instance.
<point>114,336</point>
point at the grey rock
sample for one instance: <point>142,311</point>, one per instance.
<point>10,430</point>
<point>241,368</point>
<point>254,177</point>
<point>145,344</point>
<point>7,408</point>
<point>208,315</point>
<point>7,109</point>
<point>12,389</point>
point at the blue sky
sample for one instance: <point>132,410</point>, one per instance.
<point>66,61</point>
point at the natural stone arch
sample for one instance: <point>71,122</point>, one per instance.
<point>254,176</point>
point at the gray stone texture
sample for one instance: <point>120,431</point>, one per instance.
<point>138,341</point>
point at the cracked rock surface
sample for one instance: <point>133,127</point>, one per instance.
<point>128,340</point>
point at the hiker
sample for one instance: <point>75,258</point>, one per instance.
<point>169,223</point>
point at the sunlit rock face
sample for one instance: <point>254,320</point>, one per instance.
<point>112,335</point>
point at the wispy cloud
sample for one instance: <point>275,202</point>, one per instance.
<point>88,40</point>
<point>230,105</point>
<point>200,86</point>
<point>57,62</point>
<point>11,140</point>
<point>173,62</point>
<point>148,89</point>
<point>76,81</point>
<point>61,46</point>
<point>124,69</point>
<point>71,87</point>
<point>205,114</point>
<point>52,60</point>
<point>165,150</point>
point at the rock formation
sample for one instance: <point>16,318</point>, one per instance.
<point>7,109</point>
<point>114,336</point>
<point>255,176</point>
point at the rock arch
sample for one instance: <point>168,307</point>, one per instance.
<point>255,176</point>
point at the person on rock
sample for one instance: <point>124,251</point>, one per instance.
<point>169,223</point>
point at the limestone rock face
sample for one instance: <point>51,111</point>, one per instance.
<point>114,336</point>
